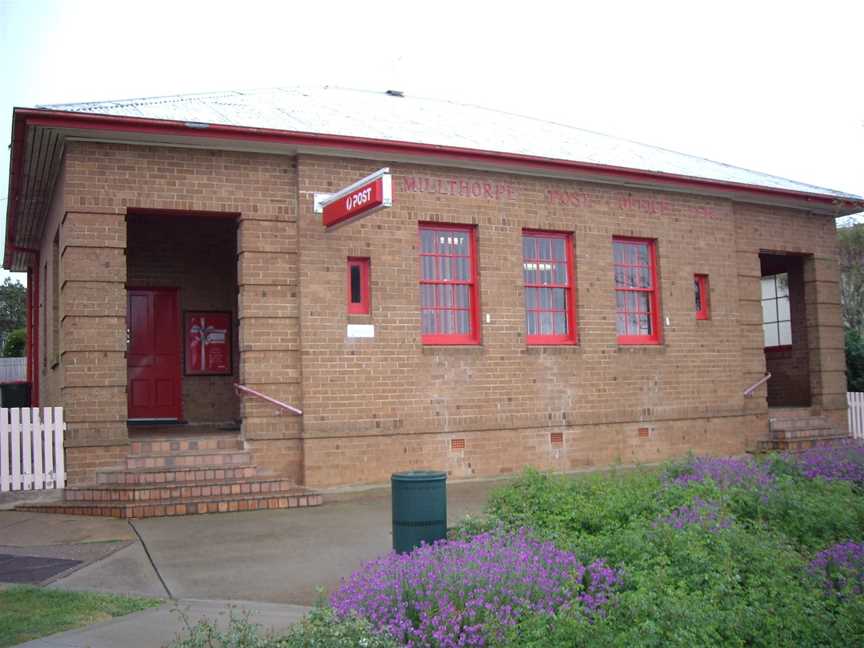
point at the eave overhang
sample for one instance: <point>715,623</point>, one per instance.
<point>39,137</point>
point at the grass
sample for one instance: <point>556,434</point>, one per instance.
<point>28,613</point>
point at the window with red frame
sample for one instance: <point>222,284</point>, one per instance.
<point>700,288</point>
<point>358,286</point>
<point>547,270</point>
<point>637,320</point>
<point>448,285</point>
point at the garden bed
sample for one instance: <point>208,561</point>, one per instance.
<point>728,552</point>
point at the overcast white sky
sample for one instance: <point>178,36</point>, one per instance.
<point>773,86</point>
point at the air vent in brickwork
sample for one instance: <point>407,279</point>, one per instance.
<point>457,444</point>
<point>556,438</point>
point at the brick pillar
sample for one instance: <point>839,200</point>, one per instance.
<point>267,276</point>
<point>825,337</point>
<point>93,334</point>
<point>750,328</point>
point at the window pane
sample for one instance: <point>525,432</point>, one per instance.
<point>545,323</point>
<point>530,298</point>
<point>427,267</point>
<point>463,272</point>
<point>545,248</point>
<point>464,324</point>
<point>427,240</point>
<point>462,293</point>
<point>545,301</point>
<point>642,257</point>
<point>769,289</point>
<point>356,297</point>
<point>558,298</point>
<point>620,300</point>
<point>527,247</point>
<point>620,324</point>
<point>771,335</point>
<point>783,309</point>
<point>782,284</point>
<point>620,277</point>
<point>531,323</point>
<point>644,325</point>
<point>785,333</point>
<point>632,324</point>
<point>618,252</point>
<point>644,277</point>
<point>558,249</point>
<point>427,296</point>
<point>560,324</point>
<point>769,310</point>
<point>561,274</point>
<point>428,322</point>
<point>697,287</point>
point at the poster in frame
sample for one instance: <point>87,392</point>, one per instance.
<point>207,339</point>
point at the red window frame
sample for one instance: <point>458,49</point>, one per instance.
<point>432,306</point>
<point>631,263</point>
<point>536,310</point>
<point>361,307</point>
<point>702,301</point>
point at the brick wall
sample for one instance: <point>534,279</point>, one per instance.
<point>198,256</point>
<point>102,183</point>
<point>374,406</point>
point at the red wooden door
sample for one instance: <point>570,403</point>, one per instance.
<point>153,354</point>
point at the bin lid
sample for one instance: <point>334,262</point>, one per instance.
<point>419,475</point>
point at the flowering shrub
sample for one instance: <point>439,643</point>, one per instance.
<point>840,463</point>
<point>699,512</point>
<point>724,472</point>
<point>468,592</point>
<point>840,568</point>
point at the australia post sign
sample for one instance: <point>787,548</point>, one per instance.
<point>356,201</point>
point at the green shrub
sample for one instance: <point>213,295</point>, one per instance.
<point>320,629</point>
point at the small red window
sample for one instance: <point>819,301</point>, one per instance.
<point>547,271</point>
<point>637,318</point>
<point>358,286</point>
<point>700,287</point>
<point>449,310</point>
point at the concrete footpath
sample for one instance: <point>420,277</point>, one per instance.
<point>272,564</point>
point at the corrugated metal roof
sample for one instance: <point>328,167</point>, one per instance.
<point>382,116</point>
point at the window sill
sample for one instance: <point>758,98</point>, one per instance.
<point>542,349</point>
<point>784,347</point>
<point>438,349</point>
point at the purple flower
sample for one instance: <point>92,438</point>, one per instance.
<point>464,593</point>
<point>842,463</point>
<point>840,568</point>
<point>724,472</point>
<point>699,513</point>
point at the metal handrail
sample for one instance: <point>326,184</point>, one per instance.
<point>748,393</point>
<point>248,390</point>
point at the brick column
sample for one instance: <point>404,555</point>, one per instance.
<point>93,334</point>
<point>270,335</point>
<point>825,337</point>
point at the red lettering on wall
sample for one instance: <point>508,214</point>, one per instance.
<point>458,187</point>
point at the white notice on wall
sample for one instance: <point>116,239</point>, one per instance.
<point>361,331</point>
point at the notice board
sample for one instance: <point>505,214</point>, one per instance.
<point>207,343</point>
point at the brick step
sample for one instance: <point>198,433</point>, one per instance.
<point>801,444</point>
<point>179,475</point>
<point>808,433</point>
<point>789,412</point>
<point>295,498</point>
<point>190,444</point>
<point>803,423</point>
<point>154,493</point>
<point>189,459</point>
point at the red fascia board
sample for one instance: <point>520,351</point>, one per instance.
<point>16,163</point>
<point>63,119</point>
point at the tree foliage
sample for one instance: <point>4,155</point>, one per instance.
<point>13,306</point>
<point>851,247</point>
<point>15,343</point>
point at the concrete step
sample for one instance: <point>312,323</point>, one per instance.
<point>801,444</point>
<point>189,459</point>
<point>807,433</point>
<point>294,498</point>
<point>154,493</point>
<point>187,444</point>
<point>178,475</point>
<point>789,412</point>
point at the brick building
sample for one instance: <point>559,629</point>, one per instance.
<point>536,295</point>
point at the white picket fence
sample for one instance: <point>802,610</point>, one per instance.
<point>856,414</point>
<point>31,448</point>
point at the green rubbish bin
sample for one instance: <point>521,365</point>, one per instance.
<point>15,394</point>
<point>419,500</point>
